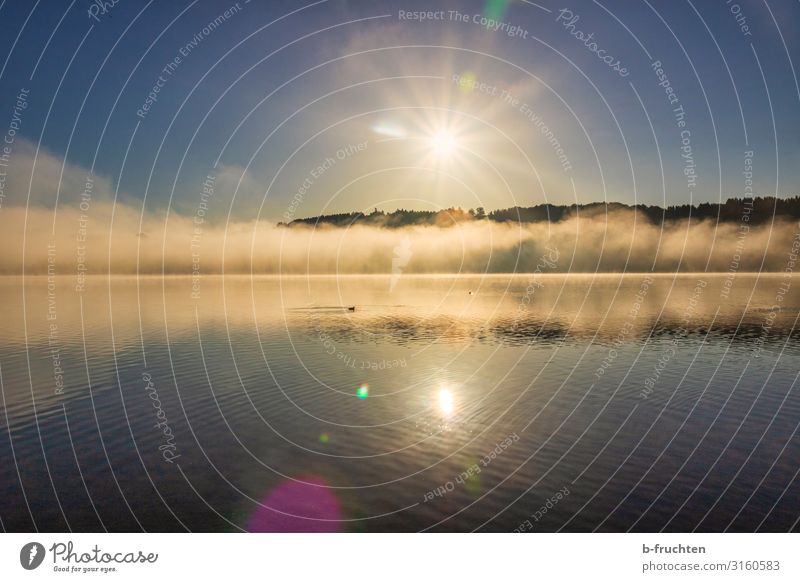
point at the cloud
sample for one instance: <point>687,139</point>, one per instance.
<point>52,178</point>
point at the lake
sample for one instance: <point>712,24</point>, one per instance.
<point>441,403</point>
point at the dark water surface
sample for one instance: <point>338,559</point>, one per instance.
<point>567,402</point>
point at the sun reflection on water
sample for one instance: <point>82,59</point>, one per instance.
<point>446,403</point>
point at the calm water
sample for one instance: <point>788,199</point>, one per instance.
<point>565,402</point>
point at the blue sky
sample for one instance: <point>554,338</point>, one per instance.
<point>274,76</point>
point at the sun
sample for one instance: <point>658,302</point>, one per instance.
<point>443,143</point>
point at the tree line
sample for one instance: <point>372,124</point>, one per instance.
<point>758,210</point>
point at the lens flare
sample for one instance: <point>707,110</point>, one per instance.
<point>389,129</point>
<point>363,391</point>
<point>466,82</point>
<point>496,9</point>
<point>307,505</point>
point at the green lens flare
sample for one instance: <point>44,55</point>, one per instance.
<point>495,9</point>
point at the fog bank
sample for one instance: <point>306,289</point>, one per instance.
<point>109,239</point>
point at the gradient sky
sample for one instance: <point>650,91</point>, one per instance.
<point>321,76</point>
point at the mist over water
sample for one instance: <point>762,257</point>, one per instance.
<point>122,240</point>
